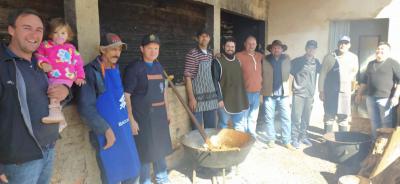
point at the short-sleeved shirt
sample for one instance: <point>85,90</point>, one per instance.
<point>135,78</point>
<point>304,72</point>
<point>192,60</point>
<point>380,77</point>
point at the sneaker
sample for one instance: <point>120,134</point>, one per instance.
<point>306,142</point>
<point>271,144</point>
<point>296,144</point>
<point>289,147</point>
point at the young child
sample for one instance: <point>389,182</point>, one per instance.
<point>62,63</point>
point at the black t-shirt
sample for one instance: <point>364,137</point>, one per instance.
<point>304,72</point>
<point>380,77</point>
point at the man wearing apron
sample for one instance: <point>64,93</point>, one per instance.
<point>201,92</point>
<point>228,80</point>
<point>338,71</point>
<point>145,91</point>
<point>102,106</point>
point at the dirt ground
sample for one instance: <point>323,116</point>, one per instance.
<point>278,165</point>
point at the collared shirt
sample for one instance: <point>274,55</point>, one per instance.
<point>193,58</point>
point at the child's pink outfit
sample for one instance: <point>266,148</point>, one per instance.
<point>65,60</point>
<point>67,66</point>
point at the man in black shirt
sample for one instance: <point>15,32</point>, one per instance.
<point>304,70</point>
<point>381,82</point>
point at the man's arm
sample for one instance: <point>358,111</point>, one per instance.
<point>326,65</point>
<point>189,91</point>
<point>87,106</point>
<point>216,73</point>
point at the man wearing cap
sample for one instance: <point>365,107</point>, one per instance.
<point>228,80</point>
<point>381,85</point>
<point>251,61</point>
<point>338,71</point>
<point>146,93</point>
<point>201,92</point>
<point>304,70</point>
<point>276,88</point>
<point>102,106</point>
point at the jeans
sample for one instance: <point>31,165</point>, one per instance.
<point>208,119</point>
<point>250,116</point>
<point>32,172</point>
<point>160,172</point>
<point>380,113</point>
<point>301,112</point>
<point>283,105</point>
<point>237,120</point>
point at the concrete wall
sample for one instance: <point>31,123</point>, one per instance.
<point>295,22</point>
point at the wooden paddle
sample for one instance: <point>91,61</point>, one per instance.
<point>191,115</point>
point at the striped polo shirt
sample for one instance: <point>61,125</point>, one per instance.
<point>192,60</point>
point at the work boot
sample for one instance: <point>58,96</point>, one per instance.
<point>55,115</point>
<point>343,128</point>
<point>328,127</point>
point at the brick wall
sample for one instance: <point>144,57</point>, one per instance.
<point>176,22</point>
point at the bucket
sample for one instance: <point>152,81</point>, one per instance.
<point>348,148</point>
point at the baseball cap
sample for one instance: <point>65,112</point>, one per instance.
<point>150,38</point>
<point>111,40</point>
<point>345,39</point>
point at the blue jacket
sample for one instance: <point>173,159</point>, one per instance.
<point>87,97</point>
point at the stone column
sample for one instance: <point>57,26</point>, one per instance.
<point>84,17</point>
<point>213,25</point>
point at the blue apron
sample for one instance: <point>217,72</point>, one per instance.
<point>120,161</point>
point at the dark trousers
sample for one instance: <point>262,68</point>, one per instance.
<point>301,112</point>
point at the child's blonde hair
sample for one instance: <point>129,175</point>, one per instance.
<point>57,23</point>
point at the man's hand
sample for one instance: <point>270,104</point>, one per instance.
<point>321,96</point>
<point>192,104</point>
<point>358,99</point>
<point>80,82</point>
<point>58,92</point>
<point>46,67</point>
<point>134,126</point>
<point>3,178</point>
<point>221,104</point>
<point>394,101</point>
<point>110,138</point>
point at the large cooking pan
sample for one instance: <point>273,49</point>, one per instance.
<point>194,146</point>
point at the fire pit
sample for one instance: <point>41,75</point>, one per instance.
<point>238,145</point>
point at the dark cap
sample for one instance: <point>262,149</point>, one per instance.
<point>312,44</point>
<point>150,38</point>
<point>202,31</point>
<point>111,40</point>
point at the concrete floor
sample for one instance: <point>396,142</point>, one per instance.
<point>308,165</point>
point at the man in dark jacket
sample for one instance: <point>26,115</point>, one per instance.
<point>102,106</point>
<point>26,144</point>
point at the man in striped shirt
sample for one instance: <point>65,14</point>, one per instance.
<point>201,92</point>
